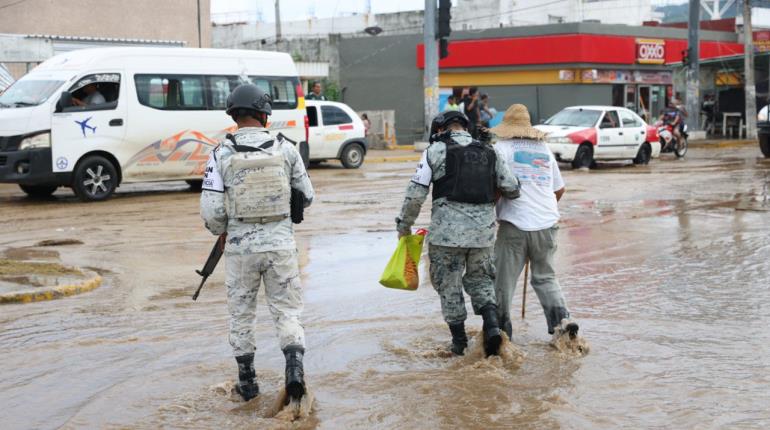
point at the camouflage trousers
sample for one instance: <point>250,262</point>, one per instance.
<point>512,250</point>
<point>280,272</point>
<point>454,269</point>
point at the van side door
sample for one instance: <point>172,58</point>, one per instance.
<point>94,121</point>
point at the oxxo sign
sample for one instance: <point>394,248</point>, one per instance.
<point>650,51</point>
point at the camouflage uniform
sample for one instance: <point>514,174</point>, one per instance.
<point>256,252</point>
<point>462,235</point>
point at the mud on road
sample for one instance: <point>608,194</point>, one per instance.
<point>665,266</point>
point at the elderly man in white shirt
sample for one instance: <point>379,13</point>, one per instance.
<point>528,225</point>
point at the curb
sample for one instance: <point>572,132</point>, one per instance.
<point>394,159</point>
<point>724,144</point>
<point>404,147</point>
<point>51,293</point>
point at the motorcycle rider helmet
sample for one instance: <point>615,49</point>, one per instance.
<point>249,98</point>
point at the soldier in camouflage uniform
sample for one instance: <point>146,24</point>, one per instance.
<point>462,230</point>
<point>259,233</point>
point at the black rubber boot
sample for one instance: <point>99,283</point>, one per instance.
<point>247,385</point>
<point>507,326</point>
<point>459,338</point>
<point>492,334</point>
<point>295,374</point>
<point>572,329</point>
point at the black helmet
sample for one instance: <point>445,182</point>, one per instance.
<point>447,117</point>
<point>249,97</point>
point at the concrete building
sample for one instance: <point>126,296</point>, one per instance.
<point>75,24</point>
<point>478,14</point>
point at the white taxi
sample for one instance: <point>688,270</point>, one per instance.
<point>335,132</point>
<point>583,135</point>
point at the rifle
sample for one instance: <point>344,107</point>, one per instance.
<point>211,262</point>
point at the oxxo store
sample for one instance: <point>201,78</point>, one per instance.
<point>596,65</point>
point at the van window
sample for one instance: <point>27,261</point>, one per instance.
<point>219,88</point>
<point>282,89</point>
<point>98,91</point>
<point>312,116</point>
<point>332,115</point>
<point>171,92</point>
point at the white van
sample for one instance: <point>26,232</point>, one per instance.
<point>95,118</point>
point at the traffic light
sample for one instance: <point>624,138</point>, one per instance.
<point>686,57</point>
<point>443,19</point>
<point>443,48</point>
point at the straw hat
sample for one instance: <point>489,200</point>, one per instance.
<point>516,123</point>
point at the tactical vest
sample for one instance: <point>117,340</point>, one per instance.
<point>470,174</point>
<point>260,189</point>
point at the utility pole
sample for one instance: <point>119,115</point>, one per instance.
<point>749,89</point>
<point>430,74</point>
<point>693,68</point>
<point>277,20</point>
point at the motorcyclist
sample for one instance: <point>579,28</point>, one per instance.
<point>672,116</point>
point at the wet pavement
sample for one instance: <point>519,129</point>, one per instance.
<point>666,267</point>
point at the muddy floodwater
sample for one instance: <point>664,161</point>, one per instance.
<point>666,268</point>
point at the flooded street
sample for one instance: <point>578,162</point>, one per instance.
<point>666,267</point>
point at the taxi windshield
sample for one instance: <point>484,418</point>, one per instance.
<point>28,92</point>
<point>575,118</point>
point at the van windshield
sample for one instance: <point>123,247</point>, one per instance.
<point>28,92</point>
<point>575,118</point>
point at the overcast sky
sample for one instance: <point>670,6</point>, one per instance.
<point>238,10</point>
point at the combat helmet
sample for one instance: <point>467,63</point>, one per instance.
<point>250,98</point>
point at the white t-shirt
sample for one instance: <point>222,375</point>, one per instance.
<point>538,173</point>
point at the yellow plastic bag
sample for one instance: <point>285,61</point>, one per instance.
<point>401,271</point>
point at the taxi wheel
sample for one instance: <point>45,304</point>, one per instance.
<point>353,156</point>
<point>95,179</point>
<point>584,157</point>
<point>644,154</point>
<point>38,191</point>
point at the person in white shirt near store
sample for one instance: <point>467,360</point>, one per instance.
<point>528,225</point>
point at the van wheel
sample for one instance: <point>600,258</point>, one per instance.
<point>644,154</point>
<point>353,156</point>
<point>584,157</point>
<point>38,191</point>
<point>195,185</point>
<point>764,145</point>
<point>95,179</point>
<point>304,153</point>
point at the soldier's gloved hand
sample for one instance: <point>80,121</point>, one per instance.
<point>222,240</point>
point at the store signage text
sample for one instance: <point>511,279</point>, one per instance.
<point>650,51</point>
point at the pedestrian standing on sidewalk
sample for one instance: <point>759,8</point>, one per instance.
<point>528,225</point>
<point>245,198</point>
<point>465,175</point>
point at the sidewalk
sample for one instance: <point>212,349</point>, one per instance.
<point>722,143</point>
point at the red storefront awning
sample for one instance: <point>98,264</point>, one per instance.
<point>565,49</point>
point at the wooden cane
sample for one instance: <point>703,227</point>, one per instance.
<point>524,292</point>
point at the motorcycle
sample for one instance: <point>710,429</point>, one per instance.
<point>669,142</point>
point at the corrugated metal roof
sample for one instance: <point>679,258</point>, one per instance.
<point>306,69</point>
<point>55,37</point>
<point>5,78</point>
